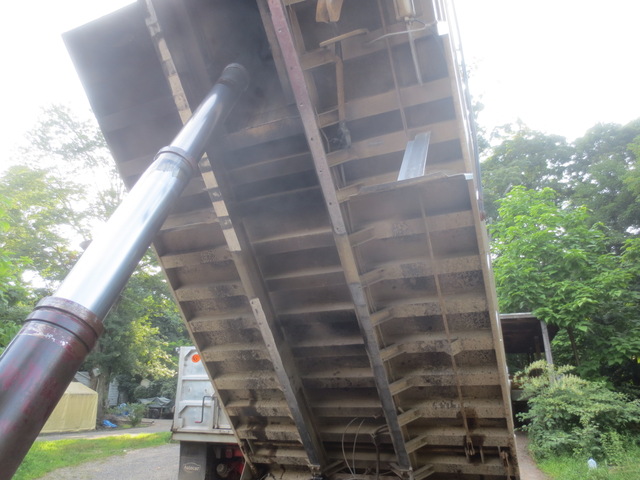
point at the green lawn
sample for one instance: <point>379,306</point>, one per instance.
<point>567,468</point>
<point>46,456</point>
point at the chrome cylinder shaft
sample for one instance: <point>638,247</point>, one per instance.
<point>103,270</point>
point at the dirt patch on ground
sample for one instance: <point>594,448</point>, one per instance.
<point>528,468</point>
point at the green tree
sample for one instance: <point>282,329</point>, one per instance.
<point>76,148</point>
<point>602,170</point>
<point>12,290</point>
<point>37,222</point>
<point>556,262</point>
<point>8,269</point>
<point>599,170</point>
<point>632,176</point>
<point>43,216</point>
<point>524,157</point>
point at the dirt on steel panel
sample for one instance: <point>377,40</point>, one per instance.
<point>347,319</point>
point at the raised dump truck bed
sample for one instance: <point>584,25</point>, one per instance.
<point>347,318</point>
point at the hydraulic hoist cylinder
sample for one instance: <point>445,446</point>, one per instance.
<point>40,362</point>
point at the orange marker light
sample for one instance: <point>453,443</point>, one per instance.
<point>195,358</point>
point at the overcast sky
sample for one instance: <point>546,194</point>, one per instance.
<point>37,70</point>
<point>559,65</point>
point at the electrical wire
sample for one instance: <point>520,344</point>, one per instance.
<point>374,440</point>
<point>375,443</point>
<point>353,453</point>
<point>344,454</point>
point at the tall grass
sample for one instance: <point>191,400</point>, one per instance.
<point>46,456</point>
<point>571,468</point>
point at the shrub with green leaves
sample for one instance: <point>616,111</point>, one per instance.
<point>572,416</point>
<point>134,411</point>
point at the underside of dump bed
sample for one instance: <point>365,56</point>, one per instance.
<point>346,318</point>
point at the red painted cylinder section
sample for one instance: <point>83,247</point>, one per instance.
<point>39,364</point>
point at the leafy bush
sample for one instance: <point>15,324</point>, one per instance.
<point>134,411</point>
<point>7,332</point>
<point>572,416</point>
<point>614,446</point>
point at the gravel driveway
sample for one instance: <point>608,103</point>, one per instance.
<point>155,463</point>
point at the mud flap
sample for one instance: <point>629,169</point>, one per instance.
<point>195,460</point>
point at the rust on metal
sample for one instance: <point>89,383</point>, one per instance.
<point>36,368</point>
